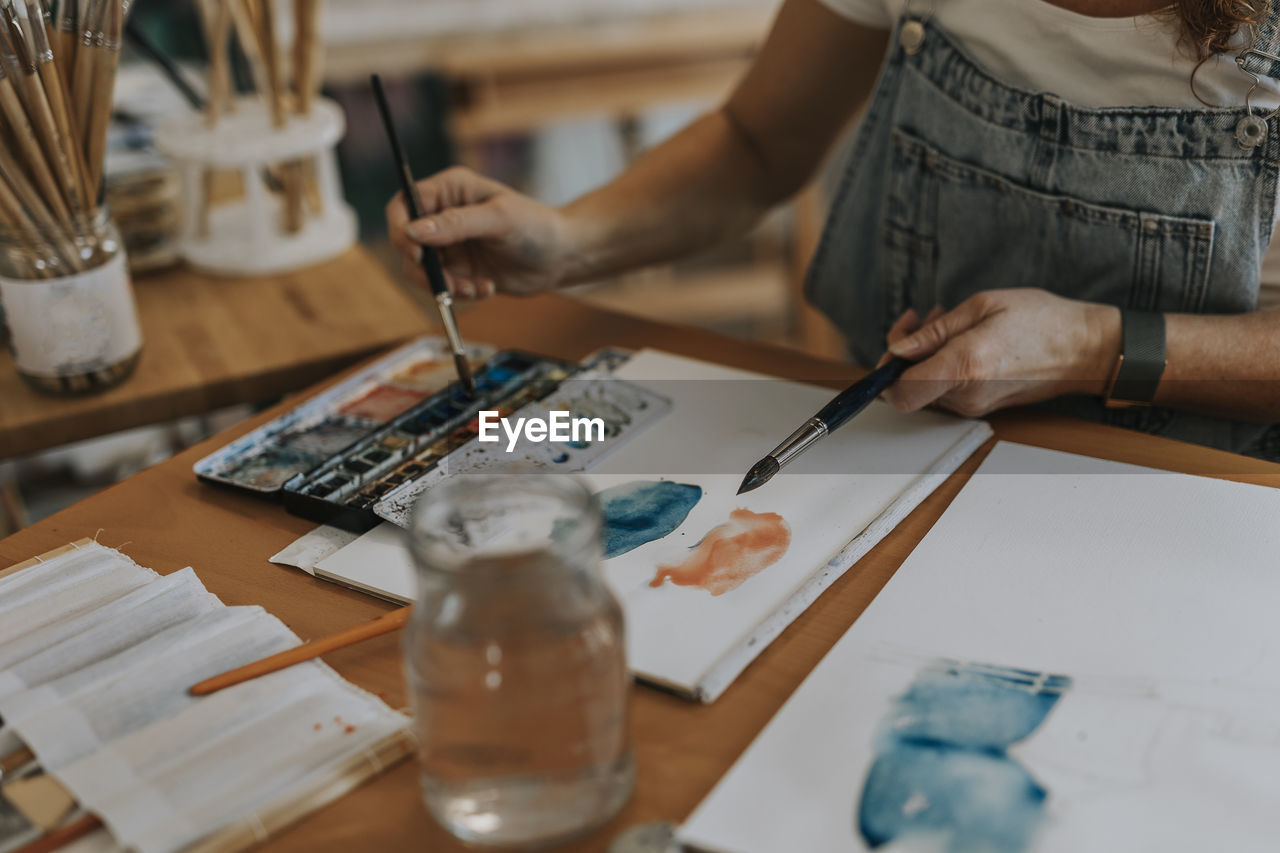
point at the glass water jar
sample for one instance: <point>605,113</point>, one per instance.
<point>515,661</point>
<point>68,304</point>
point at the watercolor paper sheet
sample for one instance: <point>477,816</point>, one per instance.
<point>1080,655</point>
<point>688,558</point>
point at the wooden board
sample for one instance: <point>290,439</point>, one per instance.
<point>211,342</point>
<point>170,521</point>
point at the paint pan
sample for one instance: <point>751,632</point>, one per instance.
<point>303,438</point>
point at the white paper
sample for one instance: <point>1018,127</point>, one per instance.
<point>312,547</point>
<point>378,562</point>
<point>1153,592</point>
<point>722,421</point>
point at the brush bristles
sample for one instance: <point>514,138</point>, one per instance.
<point>760,473</point>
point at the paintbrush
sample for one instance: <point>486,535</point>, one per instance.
<point>290,173</point>
<point>430,259</point>
<point>304,52</point>
<point>305,73</point>
<point>68,26</point>
<point>56,839</point>
<point>218,33</point>
<point>108,60</point>
<point>55,89</point>
<point>27,57</point>
<point>167,66</point>
<point>90,19</point>
<point>11,210</point>
<point>28,144</point>
<point>37,211</point>
<point>831,417</point>
<point>385,624</point>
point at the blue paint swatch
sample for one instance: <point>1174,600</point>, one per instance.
<point>642,511</point>
<point>942,770</point>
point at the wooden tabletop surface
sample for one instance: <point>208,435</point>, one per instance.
<point>209,342</point>
<point>164,519</point>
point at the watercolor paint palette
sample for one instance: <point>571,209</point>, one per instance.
<point>380,439</point>
<point>624,408</point>
<point>386,471</point>
<point>299,441</point>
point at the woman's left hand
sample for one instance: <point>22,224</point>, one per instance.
<point>1003,348</point>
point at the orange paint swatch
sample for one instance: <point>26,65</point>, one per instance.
<point>748,543</point>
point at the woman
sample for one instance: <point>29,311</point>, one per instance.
<point>985,228</point>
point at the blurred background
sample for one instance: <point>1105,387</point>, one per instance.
<point>552,97</point>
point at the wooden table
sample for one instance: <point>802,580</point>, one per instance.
<point>170,521</point>
<point>210,342</point>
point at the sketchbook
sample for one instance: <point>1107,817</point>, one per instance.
<point>1080,655</point>
<point>690,559</point>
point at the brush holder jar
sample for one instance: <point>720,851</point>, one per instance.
<point>260,199</point>
<point>68,305</point>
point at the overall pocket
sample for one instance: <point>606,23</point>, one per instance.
<point>983,231</point>
<point>952,229</point>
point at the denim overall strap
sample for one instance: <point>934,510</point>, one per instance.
<point>1261,54</point>
<point>958,183</point>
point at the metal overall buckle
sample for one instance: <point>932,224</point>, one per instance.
<point>911,33</point>
<point>1251,131</point>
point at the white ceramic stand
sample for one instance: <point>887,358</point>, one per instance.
<point>246,236</point>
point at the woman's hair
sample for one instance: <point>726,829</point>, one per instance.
<point>1210,27</point>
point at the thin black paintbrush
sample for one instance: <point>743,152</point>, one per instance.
<point>430,259</point>
<point>833,415</point>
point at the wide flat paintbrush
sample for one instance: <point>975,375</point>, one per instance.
<point>831,417</point>
<point>430,259</point>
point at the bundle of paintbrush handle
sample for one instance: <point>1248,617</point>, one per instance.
<point>255,27</point>
<point>57,79</point>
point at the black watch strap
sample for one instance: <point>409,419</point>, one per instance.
<point>1142,358</point>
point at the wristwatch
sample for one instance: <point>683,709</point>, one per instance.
<point>1142,360</point>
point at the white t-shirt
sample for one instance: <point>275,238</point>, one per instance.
<point>1092,62</point>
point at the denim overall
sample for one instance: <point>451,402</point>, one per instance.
<point>959,183</point>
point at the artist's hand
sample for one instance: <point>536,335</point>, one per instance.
<point>1004,348</point>
<point>490,237</point>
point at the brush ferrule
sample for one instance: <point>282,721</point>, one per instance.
<point>444,301</point>
<point>38,17</point>
<point>798,442</point>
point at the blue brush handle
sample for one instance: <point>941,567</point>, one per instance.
<point>855,398</point>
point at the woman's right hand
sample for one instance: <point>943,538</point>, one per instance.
<point>490,237</point>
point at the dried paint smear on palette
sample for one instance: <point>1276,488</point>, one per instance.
<point>267,458</point>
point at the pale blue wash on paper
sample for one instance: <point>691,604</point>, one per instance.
<point>942,769</point>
